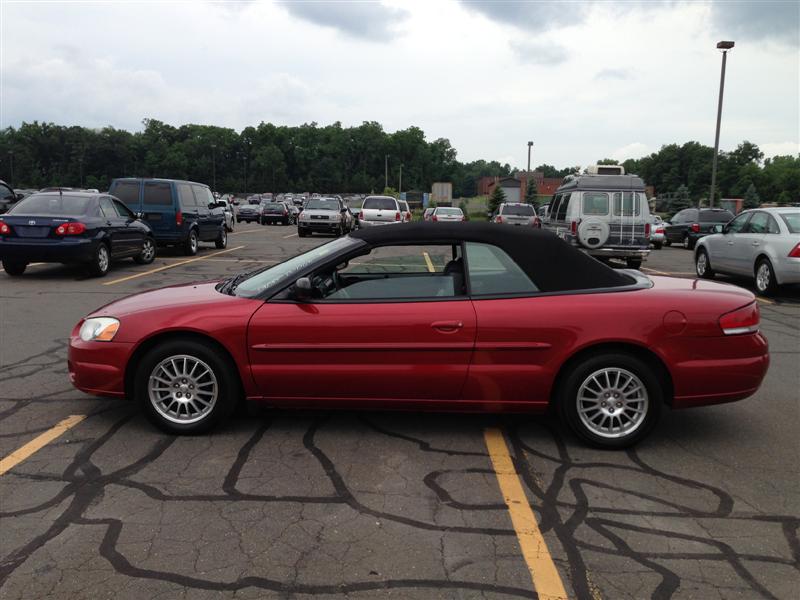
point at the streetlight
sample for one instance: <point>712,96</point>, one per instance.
<point>400,185</point>
<point>724,46</point>
<point>214,166</point>
<point>530,145</point>
<point>386,171</point>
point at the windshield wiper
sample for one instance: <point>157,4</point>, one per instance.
<point>229,287</point>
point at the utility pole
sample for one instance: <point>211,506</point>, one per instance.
<point>386,171</point>
<point>724,46</point>
<point>400,185</point>
<point>214,167</point>
<point>530,145</point>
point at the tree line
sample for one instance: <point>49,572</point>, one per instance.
<point>334,158</point>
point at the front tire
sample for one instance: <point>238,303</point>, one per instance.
<point>148,253</point>
<point>301,232</point>
<point>611,400</point>
<point>702,265</point>
<point>633,263</point>
<point>190,246</point>
<point>101,261</point>
<point>14,269</point>
<point>186,387</point>
<point>766,284</point>
<point>222,240</point>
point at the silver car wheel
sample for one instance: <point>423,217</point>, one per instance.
<point>702,263</point>
<point>102,259</point>
<point>148,250</point>
<point>763,277</point>
<point>183,389</point>
<point>612,403</point>
<point>686,242</point>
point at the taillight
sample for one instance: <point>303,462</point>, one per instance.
<point>499,219</point>
<point>5,228</point>
<point>695,227</point>
<point>463,218</point>
<point>397,216</point>
<point>71,229</point>
<point>647,230</point>
<point>537,222</point>
<point>573,227</point>
<point>179,218</point>
<point>795,253</point>
<point>285,212</point>
<point>434,218</point>
<point>739,321</point>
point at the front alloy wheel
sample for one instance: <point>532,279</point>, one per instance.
<point>190,247</point>
<point>611,400</point>
<point>222,240</point>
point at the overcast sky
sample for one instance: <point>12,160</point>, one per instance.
<point>582,80</point>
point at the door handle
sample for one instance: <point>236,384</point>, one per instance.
<point>447,326</point>
<point>730,243</point>
<point>756,243</point>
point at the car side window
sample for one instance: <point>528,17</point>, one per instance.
<point>491,271</point>
<point>107,208</point>
<point>123,210</point>
<point>128,192</point>
<point>758,223</point>
<point>737,225</point>
<point>554,206</point>
<point>562,209</point>
<point>157,193</point>
<point>203,196</point>
<point>395,273</point>
<point>186,197</point>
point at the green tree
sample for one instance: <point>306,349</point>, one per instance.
<point>531,192</point>
<point>681,200</point>
<point>751,198</point>
<point>497,197</point>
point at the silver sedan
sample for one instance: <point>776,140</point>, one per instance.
<point>763,244</point>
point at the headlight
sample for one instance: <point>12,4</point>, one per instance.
<point>99,329</point>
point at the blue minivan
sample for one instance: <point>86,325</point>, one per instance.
<point>179,212</point>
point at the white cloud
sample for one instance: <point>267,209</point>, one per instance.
<point>612,77</point>
<point>771,149</point>
<point>632,150</point>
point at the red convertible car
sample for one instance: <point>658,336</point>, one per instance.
<point>461,316</point>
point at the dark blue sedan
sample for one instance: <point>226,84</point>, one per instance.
<point>73,227</point>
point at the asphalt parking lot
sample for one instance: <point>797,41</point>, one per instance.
<point>365,505</point>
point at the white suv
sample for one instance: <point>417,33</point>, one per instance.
<point>380,210</point>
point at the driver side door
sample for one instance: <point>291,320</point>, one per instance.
<point>385,345</point>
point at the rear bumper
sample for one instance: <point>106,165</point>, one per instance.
<point>47,250</point>
<point>736,370</point>
<point>363,223</point>
<point>98,367</point>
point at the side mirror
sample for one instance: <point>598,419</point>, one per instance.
<point>718,229</point>
<point>139,215</point>
<point>303,288</point>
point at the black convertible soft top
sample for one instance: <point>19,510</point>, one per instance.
<point>551,263</point>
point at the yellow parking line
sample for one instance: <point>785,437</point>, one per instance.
<point>428,262</point>
<point>165,267</point>
<point>765,301</point>
<point>39,442</point>
<point>546,580</point>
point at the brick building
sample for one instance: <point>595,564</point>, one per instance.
<point>545,186</point>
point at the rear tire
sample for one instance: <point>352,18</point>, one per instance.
<point>14,269</point>
<point>593,396</point>
<point>657,246</point>
<point>766,284</point>
<point>688,243</point>
<point>101,261</point>
<point>190,245</point>
<point>222,240</point>
<point>667,243</point>
<point>186,415</point>
<point>633,263</point>
<point>702,265</point>
<point>148,253</point>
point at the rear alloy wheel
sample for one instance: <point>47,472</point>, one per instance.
<point>190,246</point>
<point>15,269</point>
<point>702,265</point>
<point>765,277</point>
<point>148,253</point>
<point>611,400</point>
<point>101,261</point>
<point>222,241</point>
<point>687,243</point>
<point>184,386</point>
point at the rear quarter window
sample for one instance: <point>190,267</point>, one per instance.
<point>792,221</point>
<point>157,193</point>
<point>186,196</point>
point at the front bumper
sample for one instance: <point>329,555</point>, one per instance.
<point>98,368</point>
<point>319,225</point>
<point>30,250</point>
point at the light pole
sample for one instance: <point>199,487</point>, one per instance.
<point>214,166</point>
<point>724,46</point>
<point>400,184</point>
<point>386,171</point>
<point>530,145</point>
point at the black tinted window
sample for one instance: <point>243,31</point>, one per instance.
<point>715,216</point>
<point>562,209</point>
<point>157,192</point>
<point>128,192</point>
<point>55,205</point>
<point>523,210</point>
<point>123,210</point>
<point>379,204</point>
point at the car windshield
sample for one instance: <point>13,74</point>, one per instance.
<point>449,211</point>
<point>322,204</point>
<point>715,216</point>
<point>380,204</point>
<point>525,210</point>
<point>262,280</point>
<point>272,205</point>
<point>792,221</point>
<point>56,205</point>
